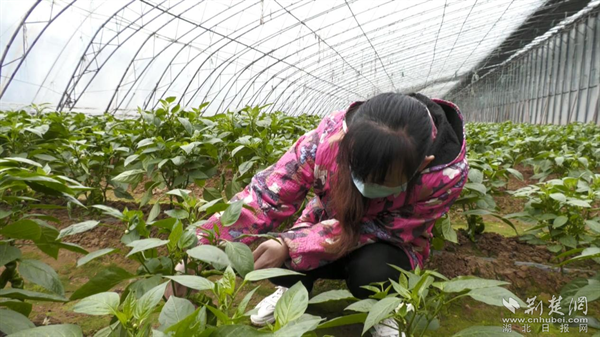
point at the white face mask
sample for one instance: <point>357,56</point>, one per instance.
<point>373,191</point>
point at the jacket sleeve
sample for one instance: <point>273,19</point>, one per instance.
<point>274,194</point>
<point>408,227</point>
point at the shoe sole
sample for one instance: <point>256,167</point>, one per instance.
<point>262,322</point>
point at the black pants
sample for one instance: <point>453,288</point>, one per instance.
<point>363,266</point>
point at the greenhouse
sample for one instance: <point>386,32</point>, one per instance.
<point>299,168</point>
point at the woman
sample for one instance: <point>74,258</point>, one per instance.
<point>382,173</point>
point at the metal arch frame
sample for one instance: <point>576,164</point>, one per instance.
<point>278,60</point>
<point>24,55</point>
<point>204,62</point>
<point>327,44</point>
<point>249,83</point>
<point>316,84</point>
<point>14,36</point>
<point>307,57</point>
<point>238,55</point>
<point>223,38</point>
<point>134,59</point>
<point>65,97</point>
<point>401,48</point>
<point>70,90</point>
<point>150,96</point>
<point>409,66</point>
<point>567,28</point>
<point>248,47</point>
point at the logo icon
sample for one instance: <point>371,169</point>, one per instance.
<point>511,304</point>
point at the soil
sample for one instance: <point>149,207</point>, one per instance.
<point>493,256</point>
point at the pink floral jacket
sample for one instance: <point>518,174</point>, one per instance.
<point>277,192</point>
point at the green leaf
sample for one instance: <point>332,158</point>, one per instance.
<point>130,159</point>
<point>380,311</point>
<point>4,214</point>
<point>555,248</point>
<point>22,229</point>
<point>515,173</point>
<point>211,193</point>
<point>130,177</point>
<point>292,304</point>
<point>227,283</point>
<point>59,330</point>
<point>449,232</point>
<point>145,305</point>
<point>475,176</point>
<point>22,160</point>
<point>178,213</point>
<point>47,242</point>
<point>593,225</point>
<point>579,203</point>
<point>89,257</point>
<point>298,328</point>
<point>332,295</point>
<point>186,125</point>
<point>187,240</point>
<point>154,212</point>
<point>145,244</point>
<point>245,166</point>
<point>175,310</point>
<point>494,296</point>
<point>194,322</point>
<point>99,304</point>
<point>460,284</point>
<point>232,188</point>
<point>591,292</point>
<point>221,316</point>
<point>13,322</point>
<point>110,211</point>
<point>262,274</point>
<point>209,254</point>
<point>187,148</point>
<point>568,241</point>
<point>240,256</point>
<point>344,320</point>
<point>72,247</point>
<point>45,157</point>
<point>78,228</point>
<point>244,302</point>
<point>20,294</point>
<point>485,331</point>
<point>560,221</point>
<point>210,204</point>
<point>8,253</point>
<point>558,197</point>
<point>238,331</point>
<point>103,281</point>
<point>41,274</point>
<point>167,223</point>
<point>362,305</point>
<point>193,282</point>
<point>232,213</point>
<point>24,308</point>
<point>236,150</point>
<point>477,187</point>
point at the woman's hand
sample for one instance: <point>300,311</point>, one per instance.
<point>270,254</point>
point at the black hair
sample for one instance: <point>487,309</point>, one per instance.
<point>389,131</point>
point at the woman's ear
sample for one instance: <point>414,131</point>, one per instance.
<point>426,162</point>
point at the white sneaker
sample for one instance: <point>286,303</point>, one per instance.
<point>266,308</point>
<point>387,328</point>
